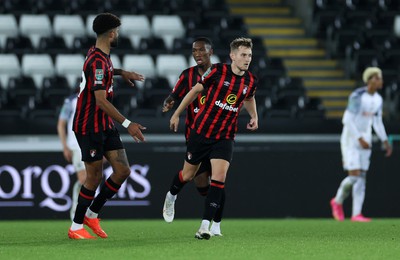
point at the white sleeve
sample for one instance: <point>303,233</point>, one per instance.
<point>348,120</point>
<point>379,128</point>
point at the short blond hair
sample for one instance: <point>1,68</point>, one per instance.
<point>236,43</point>
<point>370,72</point>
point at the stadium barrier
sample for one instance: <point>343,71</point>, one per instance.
<point>270,177</point>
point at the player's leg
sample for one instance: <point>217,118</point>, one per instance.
<point>220,157</point>
<point>79,166</point>
<point>359,189</point>
<point>187,173</point>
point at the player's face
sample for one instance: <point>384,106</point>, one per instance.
<point>241,58</point>
<point>114,35</point>
<point>377,81</point>
<point>201,53</point>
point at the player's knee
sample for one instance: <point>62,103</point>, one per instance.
<point>203,190</point>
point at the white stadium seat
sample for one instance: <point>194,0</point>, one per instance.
<point>135,27</point>
<point>142,64</point>
<point>68,27</point>
<point>37,66</point>
<point>35,27</point>
<point>115,61</point>
<point>167,27</point>
<point>8,28</point>
<point>70,66</point>
<point>89,25</point>
<point>9,67</point>
<point>170,66</point>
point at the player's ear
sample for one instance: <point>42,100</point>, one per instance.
<point>232,55</point>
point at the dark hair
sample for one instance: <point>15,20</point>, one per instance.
<point>205,40</point>
<point>236,43</point>
<point>105,22</point>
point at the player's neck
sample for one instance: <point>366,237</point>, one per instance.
<point>104,46</point>
<point>371,90</point>
<point>236,70</point>
<point>203,69</point>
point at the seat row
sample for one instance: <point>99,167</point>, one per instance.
<point>68,27</point>
<point>70,66</point>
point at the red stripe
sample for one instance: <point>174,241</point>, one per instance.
<point>211,105</point>
<point>232,128</point>
<point>221,186</point>
<point>86,196</point>
<point>111,187</point>
<point>180,176</point>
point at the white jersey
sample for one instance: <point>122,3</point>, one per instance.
<point>67,113</point>
<point>363,112</point>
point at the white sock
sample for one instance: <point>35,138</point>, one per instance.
<point>359,194</point>
<point>215,225</point>
<point>171,197</point>
<point>75,194</point>
<point>205,224</point>
<point>76,226</point>
<point>344,189</point>
<point>91,214</point>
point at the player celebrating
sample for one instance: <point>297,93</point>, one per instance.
<point>228,88</point>
<point>364,110</point>
<point>202,51</point>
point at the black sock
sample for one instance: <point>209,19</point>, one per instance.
<point>220,210</point>
<point>203,190</point>
<point>213,199</point>
<point>177,184</point>
<point>84,200</point>
<point>107,191</point>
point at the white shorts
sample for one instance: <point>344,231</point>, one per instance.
<point>77,162</point>
<point>355,158</point>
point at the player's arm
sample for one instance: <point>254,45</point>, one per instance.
<point>250,105</point>
<point>128,76</point>
<point>168,103</point>
<point>380,131</point>
<point>134,129</point>
<point>179,90</point>
<point>188,99</point>
<point>62,134</point>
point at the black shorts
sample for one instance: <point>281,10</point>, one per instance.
<point>200,148</point>
<point>93,145</point>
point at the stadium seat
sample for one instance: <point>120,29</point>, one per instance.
<point>69,66</point>
<point>152,46</point>
<point>170,66</point>
<point>35,27</point>
<point>87,7</point>
<point>8,28</point>
<point>19,45</point>
<point>83,44</point>
<point>53,7</point>
<point>19,7</point>
<point>152,7</point>
<point>135,27</point>
<point>22,92</point>
<point>89,25</point>
<point>143,64</point>
<point>52,45</point>
<point>116,61</point>
<point>37,66</point>
<point>167,27</point>
<point>121,7</point>
<point>9,67</point>
<point>68,27</point>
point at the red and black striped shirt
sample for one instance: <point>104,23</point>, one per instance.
<point>97,75</point>
<point>188,78</point>
<point>225,93</point>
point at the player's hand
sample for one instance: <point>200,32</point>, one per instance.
<point>168,105</point>
<point>363,143</point>
<point>252,125</point>
<point>129,76</point>
<point>134,129</point>
<point>174,122</point>
<point>388,149</point>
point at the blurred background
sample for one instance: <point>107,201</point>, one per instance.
<point>308,55</point>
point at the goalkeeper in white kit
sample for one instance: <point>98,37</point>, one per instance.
<point>363,112</point>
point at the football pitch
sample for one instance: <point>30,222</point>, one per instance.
<point>243,239</point>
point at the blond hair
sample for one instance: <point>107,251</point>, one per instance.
<point>370,72</point>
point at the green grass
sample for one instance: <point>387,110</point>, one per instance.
<point>243,239</point>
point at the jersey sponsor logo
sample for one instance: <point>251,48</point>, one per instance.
<point>98,82</point>
<point>231,99</point>
<point>99,74</point>
<point>93,153</point>
<point>202,99</point>
<point>226,106</point>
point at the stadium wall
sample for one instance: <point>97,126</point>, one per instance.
<point>270,177</point>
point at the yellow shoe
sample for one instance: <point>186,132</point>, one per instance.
<point>80,234</point>
<point>94,224</point>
